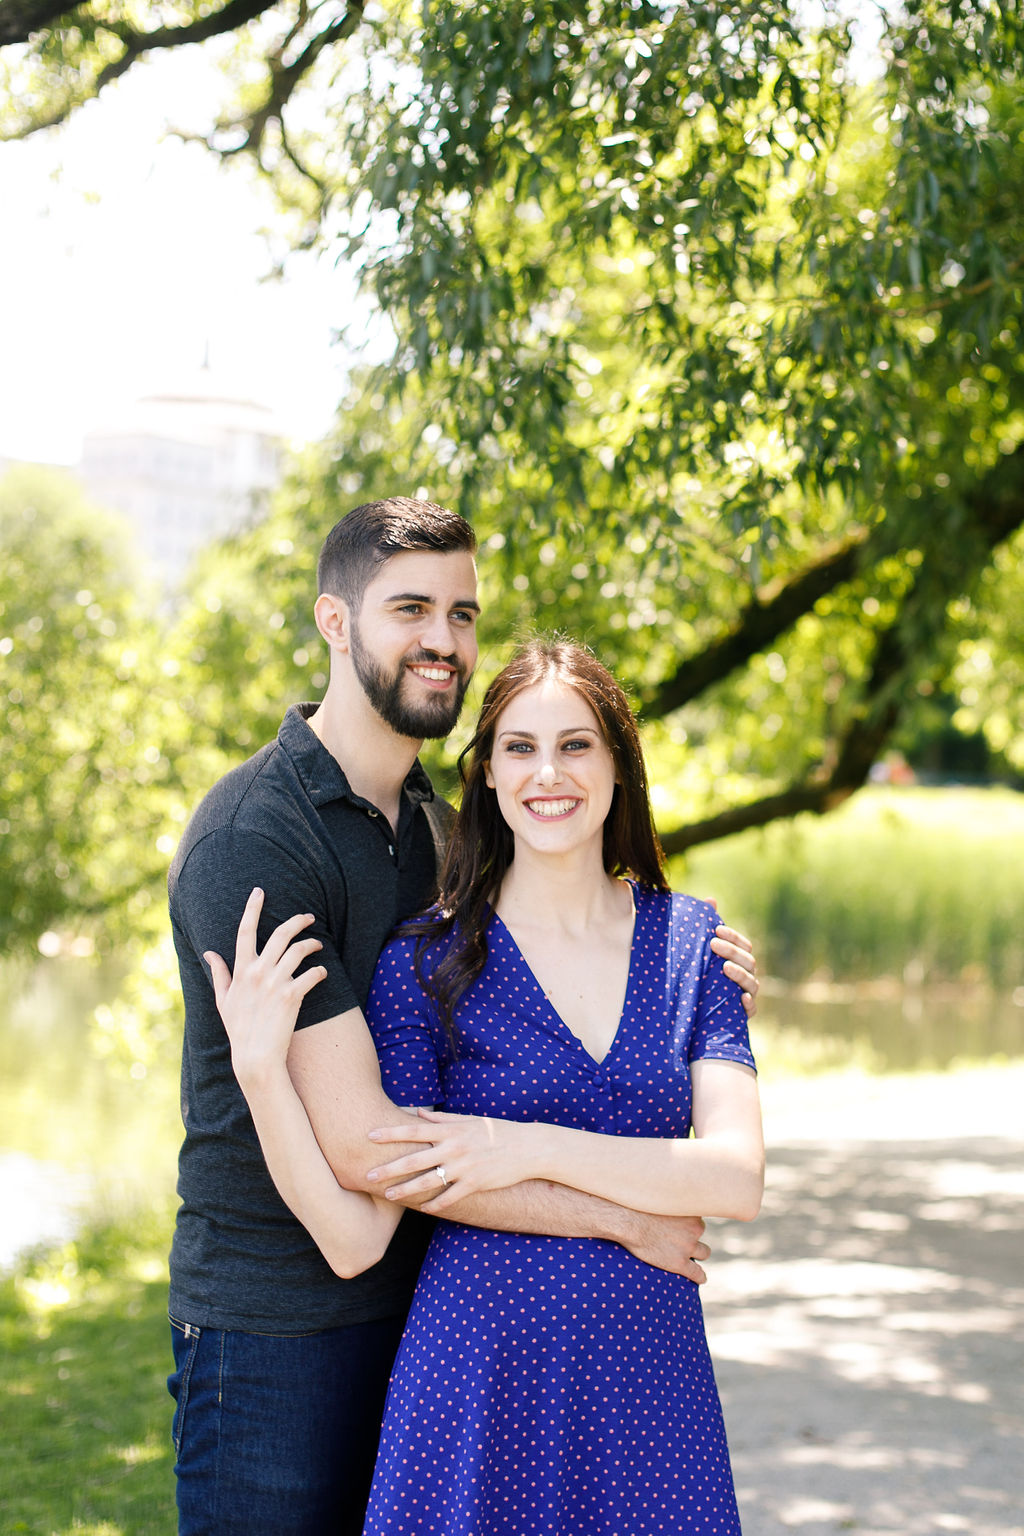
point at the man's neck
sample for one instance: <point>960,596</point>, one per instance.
<point>374,759</point>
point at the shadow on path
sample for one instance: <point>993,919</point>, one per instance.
<point>868,1334</point>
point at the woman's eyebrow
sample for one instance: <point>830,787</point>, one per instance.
<point>576,730</point>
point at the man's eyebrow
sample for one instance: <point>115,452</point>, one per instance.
<point>423,597</point>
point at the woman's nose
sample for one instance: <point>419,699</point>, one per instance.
<point>547,775</point>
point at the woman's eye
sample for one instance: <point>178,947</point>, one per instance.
<point>519,746</point>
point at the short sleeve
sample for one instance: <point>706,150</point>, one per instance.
<point>210,894</point>
<point>720,1028</point>
<point>405,1028</point>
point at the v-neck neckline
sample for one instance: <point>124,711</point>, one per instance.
<point>553,1011</point>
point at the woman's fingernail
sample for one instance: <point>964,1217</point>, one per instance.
<point>372,1176</point>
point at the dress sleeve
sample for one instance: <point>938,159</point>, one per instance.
<point>720,1024</point>
<point>405,1028</point>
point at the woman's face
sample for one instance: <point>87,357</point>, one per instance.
<point>552,770</point>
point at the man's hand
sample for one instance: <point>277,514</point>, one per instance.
<point>669,1242</point>
<point>740,965</point>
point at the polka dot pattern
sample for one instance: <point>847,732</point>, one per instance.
<point>553,1386</point>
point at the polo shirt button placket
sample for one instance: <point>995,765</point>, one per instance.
<point>375,814</point>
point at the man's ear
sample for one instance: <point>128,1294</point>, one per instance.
<point>333,620</point>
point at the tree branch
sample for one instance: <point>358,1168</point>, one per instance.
<point>283,80</point>
<point>997,505</point>
<point>857,750</point>
<point>770,613</point>
<point>19,19</point>
<point>235,14</point>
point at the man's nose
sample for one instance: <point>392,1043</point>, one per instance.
<point>438,635</point>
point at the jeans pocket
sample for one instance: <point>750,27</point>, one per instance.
<point>185,1341</point>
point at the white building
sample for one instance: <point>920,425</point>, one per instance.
<point>185,465</point>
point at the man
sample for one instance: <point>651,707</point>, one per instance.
<point>281,1367</point>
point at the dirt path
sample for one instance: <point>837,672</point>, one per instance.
<point>868,1329</point>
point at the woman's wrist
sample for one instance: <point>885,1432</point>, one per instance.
<point>258,1076</point>
<point>540,1152</point>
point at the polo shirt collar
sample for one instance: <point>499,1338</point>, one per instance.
<point>321,773</point>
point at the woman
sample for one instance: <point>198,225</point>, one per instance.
<point>549,1384</point>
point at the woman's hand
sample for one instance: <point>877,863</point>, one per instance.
<point>472,1152</point>
<point>260,1002</point>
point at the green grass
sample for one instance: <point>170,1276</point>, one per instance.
<point>85,1442</point>
<point>920,884</point>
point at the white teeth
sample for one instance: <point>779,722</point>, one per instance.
<point>552,807</point>
<point>434,674</point>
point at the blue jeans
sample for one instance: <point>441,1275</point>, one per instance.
<point>276,1435</point>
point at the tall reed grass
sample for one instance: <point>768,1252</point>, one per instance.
<point>922,885</point>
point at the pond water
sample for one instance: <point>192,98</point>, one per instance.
<point>79,1131</point>
<point>883,1029</point>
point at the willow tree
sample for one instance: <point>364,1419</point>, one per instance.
<point>711,325</point>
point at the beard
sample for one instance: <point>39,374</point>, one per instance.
<point>432,718</point>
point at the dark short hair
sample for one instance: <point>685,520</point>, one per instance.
<point>481,847</point>
<point>367,537</point>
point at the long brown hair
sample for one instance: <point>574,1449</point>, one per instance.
<point>482,845</point>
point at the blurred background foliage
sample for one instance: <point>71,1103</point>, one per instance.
<point>708,317</point>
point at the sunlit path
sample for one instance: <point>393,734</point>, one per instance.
<point>869,1328</point>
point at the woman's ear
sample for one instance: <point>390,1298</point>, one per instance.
<point>488,775</point>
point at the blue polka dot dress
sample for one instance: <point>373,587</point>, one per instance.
<point>556,1386</point>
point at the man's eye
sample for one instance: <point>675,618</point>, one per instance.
<point>464,616</point>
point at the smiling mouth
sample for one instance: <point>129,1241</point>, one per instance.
<point>550,810</point>
<point>433,673</point>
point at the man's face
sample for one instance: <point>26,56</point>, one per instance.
<point>413,641</point>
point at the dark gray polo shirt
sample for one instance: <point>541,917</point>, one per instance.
<point>285,820</point>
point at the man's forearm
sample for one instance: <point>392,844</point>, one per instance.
<point>551,1210</point>
<point>673,1243</point>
